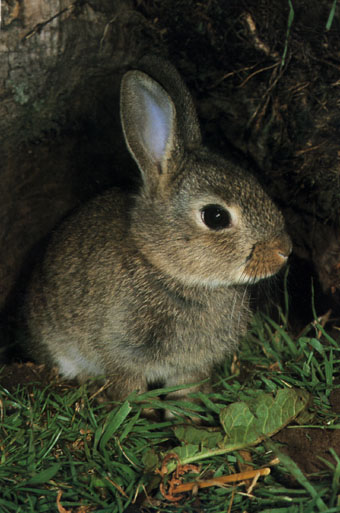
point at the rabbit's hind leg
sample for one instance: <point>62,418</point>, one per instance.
<point>112,388</point>
<point>121,384</point>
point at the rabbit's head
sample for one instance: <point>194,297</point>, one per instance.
<point>198,218</point>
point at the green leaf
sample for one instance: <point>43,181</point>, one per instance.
<point>44,476</point>
<point>249,423</point>
<point>206,437</point>
<point>245,423</point>
<point>188,453</point>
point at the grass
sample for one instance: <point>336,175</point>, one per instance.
<point>62,451</point>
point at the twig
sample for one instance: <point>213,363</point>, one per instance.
<point>218,481</point>
<point>249,77</point>
<point>38,28</point>
<point>260,45</point>
<point>119,488</point>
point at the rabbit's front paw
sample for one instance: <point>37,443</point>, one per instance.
<point>202,383</point>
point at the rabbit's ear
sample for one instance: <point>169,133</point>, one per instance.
<point>149,123</point>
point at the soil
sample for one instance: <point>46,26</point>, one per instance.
<point>25,374</point>
<point>308,447</point>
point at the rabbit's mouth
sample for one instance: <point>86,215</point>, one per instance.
<point>266,259</point>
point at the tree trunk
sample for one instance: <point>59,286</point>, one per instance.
<point>61,140</point>
<point>266,83</point>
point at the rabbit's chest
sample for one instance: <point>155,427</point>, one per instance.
<point>190,329</point>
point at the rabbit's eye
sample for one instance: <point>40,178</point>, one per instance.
<point>215,217</point>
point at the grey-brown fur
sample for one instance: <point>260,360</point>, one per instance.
<point>138,288</point>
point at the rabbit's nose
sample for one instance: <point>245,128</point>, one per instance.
<point>284,247</point>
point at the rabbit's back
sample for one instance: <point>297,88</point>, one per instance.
<point>79,275</point>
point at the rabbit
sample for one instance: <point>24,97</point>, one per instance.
<point>151,287</point>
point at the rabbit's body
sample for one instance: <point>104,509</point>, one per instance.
<point>151,288</point>
<point>109,327</point>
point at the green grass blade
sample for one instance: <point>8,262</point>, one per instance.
<point>291,15</point>
<point>331,15</point>
<point>336,479</point>
<point>44,476</point>
<point>114,421</point>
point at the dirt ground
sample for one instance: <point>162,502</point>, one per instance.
<point>309,446</point>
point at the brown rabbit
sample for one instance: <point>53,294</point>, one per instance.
<point>152,287</point>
